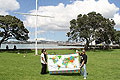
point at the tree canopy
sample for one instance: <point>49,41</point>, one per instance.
<point>12,28</point>
<point>117,37</point>
<point>90,27</point>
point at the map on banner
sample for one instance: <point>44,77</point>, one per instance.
<point>63,62</point>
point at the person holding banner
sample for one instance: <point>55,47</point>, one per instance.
<point>43,62</point>
<point>83,63</point>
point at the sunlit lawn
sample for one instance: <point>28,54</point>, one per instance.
<point>102,65</point>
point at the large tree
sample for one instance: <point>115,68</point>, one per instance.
<point>12,28</point>
<point>90,27</point>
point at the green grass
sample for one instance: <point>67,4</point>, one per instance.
<point>102,65</point>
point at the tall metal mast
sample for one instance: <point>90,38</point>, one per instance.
<point>36,52</point>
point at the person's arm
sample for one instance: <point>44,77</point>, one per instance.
<point>46,53</point>
<point>82,64</point>
<point>44,60</point>
<point>79,53</point>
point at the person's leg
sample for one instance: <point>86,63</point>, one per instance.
<point>42,70</point>
<point>85,72</point>
<point>81,72</point>
<point>45,68</point>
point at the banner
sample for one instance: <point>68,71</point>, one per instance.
<point>63,63</point>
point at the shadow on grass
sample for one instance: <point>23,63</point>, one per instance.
<point>98,50</point>
<point>67,74</point>
<point>17,51</point>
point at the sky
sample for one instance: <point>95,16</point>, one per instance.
<point>63,11</point>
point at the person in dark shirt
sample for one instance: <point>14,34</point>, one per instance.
<point>83,63</point>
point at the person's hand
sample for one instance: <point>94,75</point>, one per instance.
<point>80,67</point>
<point>46,53</point>
<point>79,53</point>
<point>46,63</point>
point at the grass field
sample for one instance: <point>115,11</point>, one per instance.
<point>102,65</point>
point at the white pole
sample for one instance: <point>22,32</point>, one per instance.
<point>36,53</point>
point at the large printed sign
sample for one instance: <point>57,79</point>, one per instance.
<point>63,63</point>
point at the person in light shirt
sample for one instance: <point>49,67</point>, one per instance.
<point>44,62</point>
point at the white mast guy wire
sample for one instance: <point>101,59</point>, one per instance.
<point>32,14</point>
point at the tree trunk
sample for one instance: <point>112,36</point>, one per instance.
<point>1,41</point>
<point>87,44</point>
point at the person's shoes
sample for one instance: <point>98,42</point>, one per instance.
<point>42,73</point>
<point>85,78</point>
<point>80,74</point>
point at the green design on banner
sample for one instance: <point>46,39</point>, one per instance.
<point>59,57</point>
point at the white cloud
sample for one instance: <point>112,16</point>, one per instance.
<point>3,12</point>
<point>41,38</point>
<point>63,14</point>
<point>38,32</point>
<point>117,20</point>
<point>45,39</point>
<point>8,5</point>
